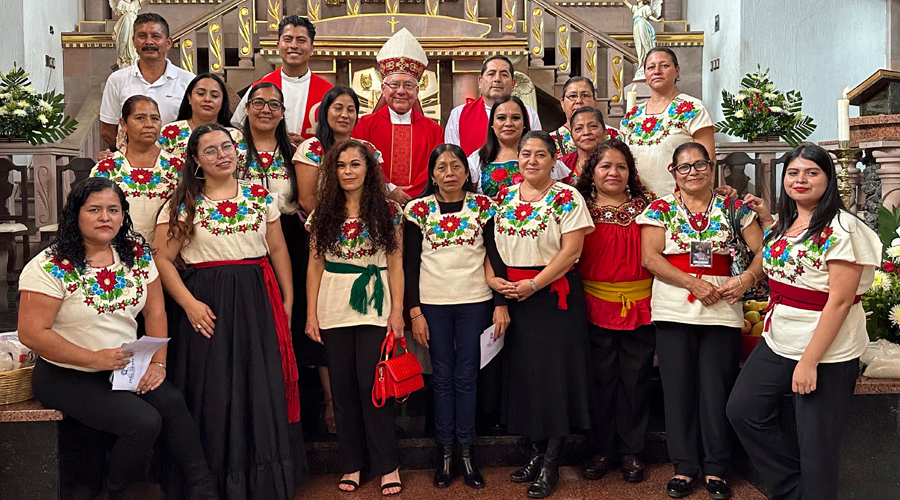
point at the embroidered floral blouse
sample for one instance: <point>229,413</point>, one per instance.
<point>653,138</point>
<point>565,144</point>
<point>498,176</point>
<point>174,137</point>
<point>804,264</point>
<point>355,248</point>
<point>529,234</point>
<point>231,229</point>
<point>99,305</point>
<point>670,302</point>
<point>145,189</point>
<point>442,244</point>
<point>271,172</point>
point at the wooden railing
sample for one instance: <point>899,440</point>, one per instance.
<point>210,26</point>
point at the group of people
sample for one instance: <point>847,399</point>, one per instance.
<point>304,234</point>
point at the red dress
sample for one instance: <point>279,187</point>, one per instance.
<point>612,254</point>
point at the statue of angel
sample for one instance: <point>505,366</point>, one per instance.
<point>644,11</point>
<point>123,32</point>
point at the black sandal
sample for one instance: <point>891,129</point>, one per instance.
<point>389,486</point>
<point>348,482</point>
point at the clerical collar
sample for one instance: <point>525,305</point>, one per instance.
<point>398,119</point>
<point>296,79</point>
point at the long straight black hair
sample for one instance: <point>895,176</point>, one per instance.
<point>491,148</point>
<point>281,138</point>
<point>323,130</point>
<point>460,155</point>
<point>828,206</point>
<point>185,112</point>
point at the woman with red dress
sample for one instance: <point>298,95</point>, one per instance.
<point>588,130</point>
<point>617,292</point>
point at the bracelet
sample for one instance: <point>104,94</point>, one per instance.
<point>533,287</point>
<point>416,317</point>
<point>755,277</point>
<point>740,280</point>
<point>766,221</point>
<point>160,364</point>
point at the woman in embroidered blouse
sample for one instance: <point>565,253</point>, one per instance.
<point>205,101</point>
<point>145,174</point>
<point>588,131</point>
<point>697,317</point>
<point>447,234</point>
<point>617,292</point>
<point>654,129</point>
<point>355,239</point>
<point>496,165</point>
<point>79,303</point>
<point>578,92</point>
<point>819,259</point>
<point>540,228</point>
<point>232,355</point>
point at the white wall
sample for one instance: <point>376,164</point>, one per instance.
<point>37,17</point>
<point>11,38</point>
<point>815,46</point>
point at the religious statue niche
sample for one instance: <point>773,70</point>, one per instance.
<point>644,11</point>
<point>367,85</point>
<point>123,31</point>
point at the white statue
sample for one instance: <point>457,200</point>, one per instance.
<point>123,32</point>
<point>644,11</point>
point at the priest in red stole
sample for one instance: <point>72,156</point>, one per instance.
<point>303,90</point>
<point>397,126</point>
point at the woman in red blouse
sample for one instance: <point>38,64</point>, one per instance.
<point>617,291</point>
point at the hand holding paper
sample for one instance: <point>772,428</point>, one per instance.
<point>128,378</point>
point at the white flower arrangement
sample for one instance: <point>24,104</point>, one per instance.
<point>27,114</point>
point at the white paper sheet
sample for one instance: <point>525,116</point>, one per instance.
<point>489,346</point>
<point>128,378</point>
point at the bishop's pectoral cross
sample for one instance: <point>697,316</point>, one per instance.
<point>393,24</point>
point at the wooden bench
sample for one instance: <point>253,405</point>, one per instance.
<point>29,451</point>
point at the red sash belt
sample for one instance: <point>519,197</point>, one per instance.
<point>801,298</point>
<point>560,286</point>
<point>288,362</point>
<point>721,266</point>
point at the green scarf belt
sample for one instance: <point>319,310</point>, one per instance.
<point>358,300</point>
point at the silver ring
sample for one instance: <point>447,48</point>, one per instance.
<point>199,326</point>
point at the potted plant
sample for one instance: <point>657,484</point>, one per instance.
<point>882,300</point>
<point>27,115</point>
<point>760,110</point>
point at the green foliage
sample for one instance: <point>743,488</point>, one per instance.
<point>882,301</point>
<point>760,109</point>
<point>26,113</point>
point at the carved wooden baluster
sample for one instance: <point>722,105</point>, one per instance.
<point>216,45</point>
<point>314,10</point>
<point>472,10</point>
<point>188,51</point>
<point>536,37</point>
<point>508,19</point>
<point>615,64</point>
<point>589,58</point>
<point>246,28</point>
<point>273,14</point>
<point>563,52</point>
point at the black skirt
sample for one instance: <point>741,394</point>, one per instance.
<point>307,351</point>
<point>546,351</point>
<point>234,387</point>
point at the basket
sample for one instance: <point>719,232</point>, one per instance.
<point>15,386</point>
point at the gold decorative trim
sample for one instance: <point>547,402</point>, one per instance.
<point>472,10</point>
<point>617,76</point>
<point>313,9</point>
<point>461,71</point>
<point>590,60</point>
<point>390,7</point>
<point>563,46</point>
<point>691,37</point>
<point>509,14</point>
<point>187,55</point>
<point>537,30</point>
<point>591,4</point>
<point>164,2</point>
<point>275,13</point>
<point>431,7</point>
<point>244,30</point>
<point>215,46</point>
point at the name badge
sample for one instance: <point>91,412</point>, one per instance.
<point>701,254</point>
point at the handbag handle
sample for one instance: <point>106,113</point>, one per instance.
<point>387,346</point>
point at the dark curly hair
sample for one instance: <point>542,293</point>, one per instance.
<point>585,182</point>
<point>190,187</point>
<point>331,211</point>
<point>69,243</point>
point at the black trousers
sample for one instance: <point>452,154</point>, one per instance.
<point>801,463</point>
<point>136,420</point>
<point>698,365</point>
<point>352,353</point>
<point>621,363</point>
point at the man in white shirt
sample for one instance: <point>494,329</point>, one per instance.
<point>153,76</point>
<point>303,90</point>
<point>496,81</point>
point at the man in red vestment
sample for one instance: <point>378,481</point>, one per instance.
<point>398,129</point>
<point>303,90</point>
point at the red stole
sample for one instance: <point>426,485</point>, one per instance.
<point>318,86</point>
<point>473,123</point>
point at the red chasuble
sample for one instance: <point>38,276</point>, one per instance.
<point>318,86</point>
<point>404,148</point>
<point>473,123</point>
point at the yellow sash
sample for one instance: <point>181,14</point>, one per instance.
<point>626,292</point>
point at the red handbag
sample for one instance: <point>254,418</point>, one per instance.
<point>396,376</point>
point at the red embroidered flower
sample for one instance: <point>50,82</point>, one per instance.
<point>420,209</point>
<point>499,175</point>
<point>141,176</point>
<point>822,237</point>
<point>889,267</point>
<point>684,107</point>
<point>778,248</point>
<point>316,148</point>
<point>517,178</point>
<point>258,191</point>
<point>632,112</point>
<point>450,223</point>
<point>649,124</point>
<point>265,159</point>
<point>660,205</point>
<point>176,163</point>
<point>138,251</point>
<point>171,132</point>
<point>523,211</point>
<point>227,208</point>
<point>563,197</point>
<point>106,279</point>
<point>106,165</point>
<point>483,203</point>
<point>351,230</point>
<point>612,133</point>
<point>63,264</point>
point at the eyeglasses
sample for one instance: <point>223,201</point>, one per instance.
<point>408,85</point>
<point>212,153</point>
<point>699,166</point>
<point>574,97</point>
<point>274,106</point>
